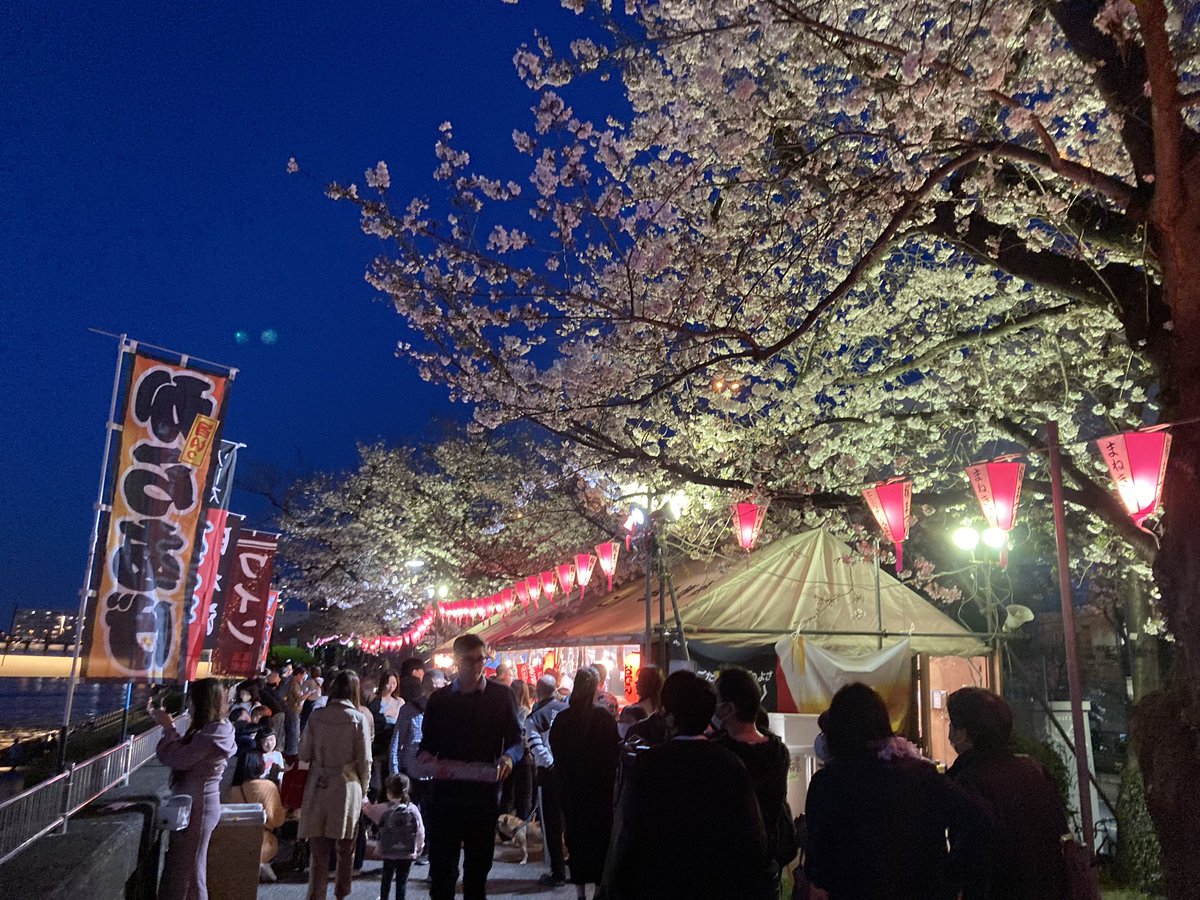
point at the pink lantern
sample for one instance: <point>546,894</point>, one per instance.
<point>506,599</point>
<point>534,583</point>
<point>890,502</point>
<point>521,589</point>
<point>566,577</point>
<point>747,522</point>
<point>606,554</point>
<point>549,585</point>
<point>997,487</point>
<point>1137,462</point>
<point>584,563</point>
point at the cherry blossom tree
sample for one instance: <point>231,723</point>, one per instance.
<point>829,241</point>
<point>467,515</point>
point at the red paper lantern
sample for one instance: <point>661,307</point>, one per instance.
<point>521,589</point>
<point>606,554</point>
<point>549,585</point>
<point>535,589</point>
<point>566,577</point>
<point>997,487</point>
<point>1137,462</point>
<point>584,563</point>
<point>889,502</point>
<point>506,599</point>
<point>747,522</point>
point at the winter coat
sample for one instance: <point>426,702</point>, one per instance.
<point>336,746</point>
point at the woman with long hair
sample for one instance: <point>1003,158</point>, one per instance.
<point>197,759</point>
<point>336,747</point>
<point>517,795</point>
<point>385,708</point>
<point>585,745</point>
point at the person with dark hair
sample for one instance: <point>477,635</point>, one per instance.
<point>585,745</point>
<point>877,814</point>
<point>604,697</point>
<point>385,706</point>
<point>537,734</point>
<point>336,747</point>
<point>739,703</point>
<point>689,823</point>
<point>413,667</point>
<point>401,833</point>
<point>197,760</point>
<point>517,796</point>
<point>1030,822</point>
<point>471,721</point>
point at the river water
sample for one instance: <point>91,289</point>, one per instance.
<point>31,706</point>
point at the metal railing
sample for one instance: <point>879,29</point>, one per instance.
<point>49,805</point>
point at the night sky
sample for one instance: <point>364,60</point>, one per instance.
<point>143,189</point>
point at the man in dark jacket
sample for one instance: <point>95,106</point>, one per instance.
<point>472,720</point>
<point>689,821</point>
<point>1026,858</point>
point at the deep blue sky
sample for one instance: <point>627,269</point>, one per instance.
<point>143,189</point>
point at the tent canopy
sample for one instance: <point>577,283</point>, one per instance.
<point>808,584</point>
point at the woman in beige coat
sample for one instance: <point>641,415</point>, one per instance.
<point>336,747</point>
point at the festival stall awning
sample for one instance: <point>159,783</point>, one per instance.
<point>807,584</point>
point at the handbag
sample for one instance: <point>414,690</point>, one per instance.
<point>291,792</point>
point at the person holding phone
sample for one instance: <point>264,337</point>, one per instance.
<point>197,759</point>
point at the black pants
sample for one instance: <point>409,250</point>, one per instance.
<point>453,825</point>
<point>552,821</point>
<point>397,868</point>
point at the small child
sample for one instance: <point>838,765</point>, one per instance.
<point>273,765</point>
<point>401,834</point>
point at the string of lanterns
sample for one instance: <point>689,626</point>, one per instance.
<point>1136,460</point>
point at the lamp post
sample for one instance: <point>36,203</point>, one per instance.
<point>968,539</point>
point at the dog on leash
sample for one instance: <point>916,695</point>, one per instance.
<point>515,832</point>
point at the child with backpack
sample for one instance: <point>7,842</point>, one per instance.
<point>401,834</point>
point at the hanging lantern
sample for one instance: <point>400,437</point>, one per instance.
<point>534,584</point>
<point>521,589</point>
<point>997,487</point>
<point>633,663</point>
<point>606,555</point>
<point>506,599</point>
<point>566,577</point>
<point>584,563</point>
<point>747,522</point>
<point>1137,462</point>
<point>549,585</point>
<point>889,502</point>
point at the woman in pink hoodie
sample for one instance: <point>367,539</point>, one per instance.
<point>197,759</point>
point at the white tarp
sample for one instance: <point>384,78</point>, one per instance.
<point>809,676</point>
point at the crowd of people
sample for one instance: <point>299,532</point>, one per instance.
<point>681,794</point>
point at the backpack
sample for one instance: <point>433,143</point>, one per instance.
<point>398,833</point>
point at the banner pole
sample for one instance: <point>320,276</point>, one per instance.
<point>91,556</point>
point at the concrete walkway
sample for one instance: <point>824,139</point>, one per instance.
<point>509,880</point>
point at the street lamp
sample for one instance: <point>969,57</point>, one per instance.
<point>968,539</point>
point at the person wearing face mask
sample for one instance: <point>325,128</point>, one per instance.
<point>739,702</point>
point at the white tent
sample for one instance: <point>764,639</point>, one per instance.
<point>810,584</point>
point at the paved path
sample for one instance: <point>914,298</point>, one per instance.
<point>508,881</point>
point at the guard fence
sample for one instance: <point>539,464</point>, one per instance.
<point>48,806</point>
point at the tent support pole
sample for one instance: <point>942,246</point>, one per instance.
<point>678,620</point>
<point>662,607</point>
<point>648,639</point>
<point>878,597</point>
<point>1082,772</point>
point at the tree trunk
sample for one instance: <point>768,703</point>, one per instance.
<point>1165,723</point>
<point>1143,648</point>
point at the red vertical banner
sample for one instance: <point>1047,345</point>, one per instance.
<point>135,623</point>
<point>247,598</point>
<point>212,546</point>
<point>229,539</point>
<point>272,606</point>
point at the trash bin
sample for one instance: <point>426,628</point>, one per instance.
<point>234,851</point>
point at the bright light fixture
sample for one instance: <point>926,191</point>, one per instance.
<point>995,537</point>
<point>415,564</point>
<point>443,592</point>
<point>966,538</point>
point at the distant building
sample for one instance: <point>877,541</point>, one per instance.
<point>42,625</point>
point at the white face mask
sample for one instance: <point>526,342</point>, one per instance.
<point>821,748</point>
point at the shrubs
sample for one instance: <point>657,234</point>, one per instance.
<point>1139,857</point>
